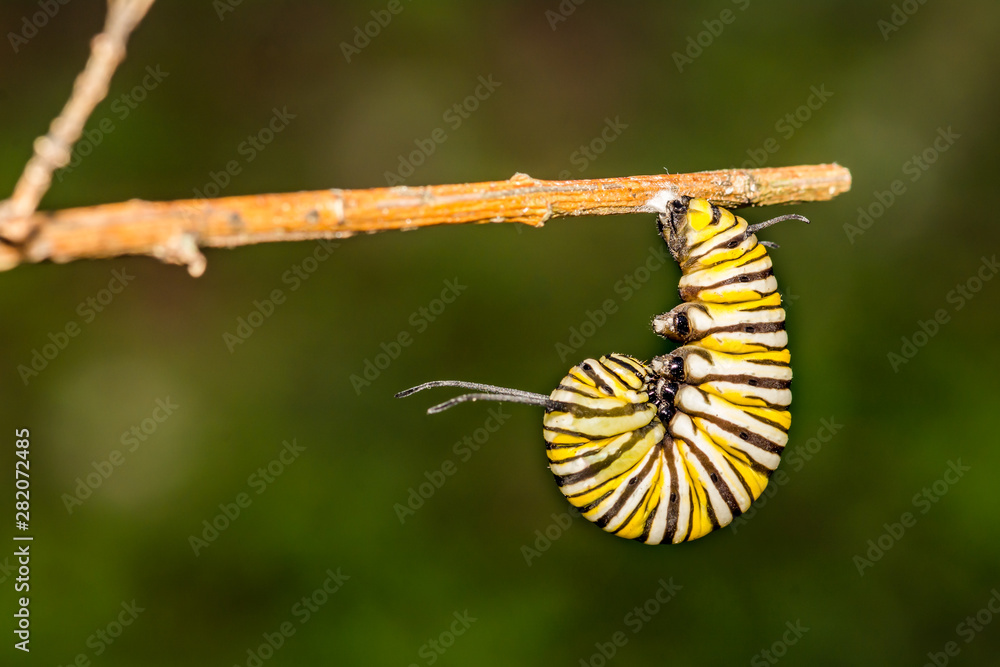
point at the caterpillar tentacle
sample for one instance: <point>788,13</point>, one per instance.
<point>486,388</point>
<point>534,399</point>
<point>487,392</point>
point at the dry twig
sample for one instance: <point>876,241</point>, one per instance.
<point>53,150</point>
<point>174,230</point>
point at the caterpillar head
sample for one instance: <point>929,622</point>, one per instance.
<point>683,323</point>
<point>700,234</point>
<point>687,223</point>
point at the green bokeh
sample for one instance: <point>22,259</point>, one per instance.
<point>849,300</point>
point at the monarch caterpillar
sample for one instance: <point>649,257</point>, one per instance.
<point>674,449</point>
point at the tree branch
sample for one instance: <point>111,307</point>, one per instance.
<point>53,150</point>
<point>174,230</point>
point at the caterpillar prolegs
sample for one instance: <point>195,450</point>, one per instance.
<point>671,450</point>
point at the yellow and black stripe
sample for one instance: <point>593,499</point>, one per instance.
<point>668,452</point>
<point>671,451</point>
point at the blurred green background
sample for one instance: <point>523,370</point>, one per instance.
<point>475,547</point>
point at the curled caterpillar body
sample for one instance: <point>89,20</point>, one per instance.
<point>669,451</point>
<point>688,442</point>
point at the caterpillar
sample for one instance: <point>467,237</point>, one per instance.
<point>667,452</point>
